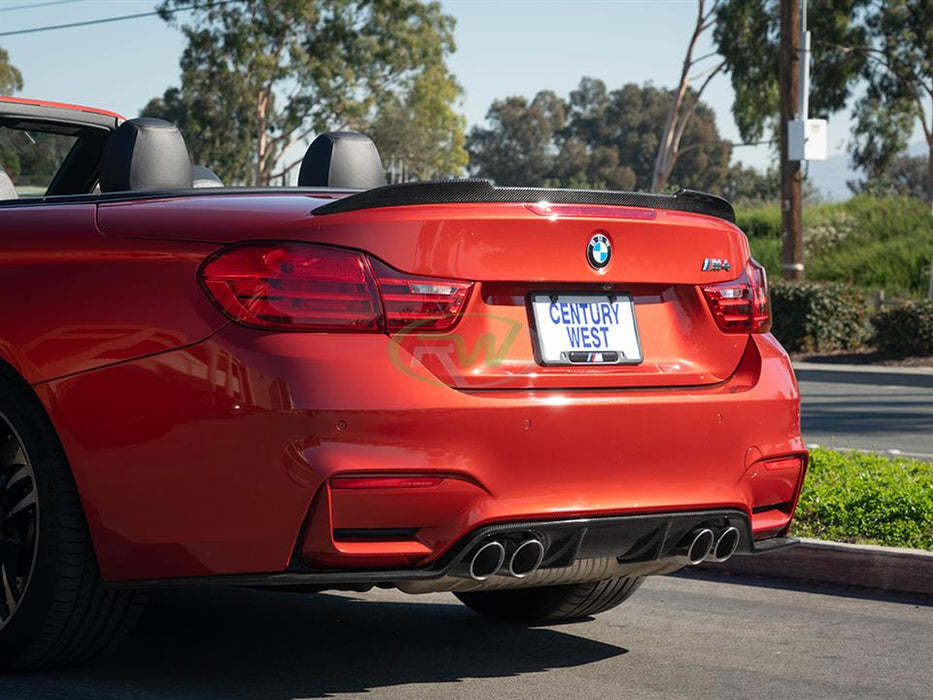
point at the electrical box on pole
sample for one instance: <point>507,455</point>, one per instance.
<point>807,139</point>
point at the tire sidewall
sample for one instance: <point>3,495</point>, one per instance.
<point>27,623</point>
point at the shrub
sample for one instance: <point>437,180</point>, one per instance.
<point>818,316</point>
<point>767,251</point>
<point>872,242</point>
<point>760,220</point>
<point>905,330</point>
<point>855,497</point>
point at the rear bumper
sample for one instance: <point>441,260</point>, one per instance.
<point>576,549</point>
<point>217,459</point>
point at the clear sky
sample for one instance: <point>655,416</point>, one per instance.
<point>504,47</point>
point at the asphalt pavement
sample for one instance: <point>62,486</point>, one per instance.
<point>877,412</point>
<point>676,638</point>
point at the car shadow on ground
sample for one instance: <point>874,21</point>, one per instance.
<point>241,643</point>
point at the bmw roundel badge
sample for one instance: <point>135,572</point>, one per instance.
<point>598,251</point>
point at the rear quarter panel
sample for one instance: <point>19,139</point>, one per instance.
<point>75,300</point>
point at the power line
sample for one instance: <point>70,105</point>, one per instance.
<point>105,20</point>
<point>29,6</point>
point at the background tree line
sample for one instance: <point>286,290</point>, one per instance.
<point>876,55</point>
<point>259,78</point>
<point>605,139</point>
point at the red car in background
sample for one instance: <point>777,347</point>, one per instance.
<point>532,398</point>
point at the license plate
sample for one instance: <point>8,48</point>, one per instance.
<point>586,329</point>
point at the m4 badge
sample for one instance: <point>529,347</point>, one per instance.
<point>715,265</point>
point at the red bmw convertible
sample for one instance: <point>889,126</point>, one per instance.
<point>531,398</point>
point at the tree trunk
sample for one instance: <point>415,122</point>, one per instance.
<point>666,147</point>
<point>262,139</point>
<point>791,175</point>
<point>930,174</point>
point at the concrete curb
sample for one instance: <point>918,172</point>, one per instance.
<point>887,569</point>
<point>864,374</point>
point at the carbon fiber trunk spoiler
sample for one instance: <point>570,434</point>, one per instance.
<point>484,191</point>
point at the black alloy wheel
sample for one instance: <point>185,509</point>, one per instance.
<point>19,521</point>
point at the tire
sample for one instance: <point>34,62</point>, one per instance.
<point>54,608</point>
<point>552,603</point>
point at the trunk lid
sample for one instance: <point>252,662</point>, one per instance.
<point>512,252</point>
<point>515,256</point>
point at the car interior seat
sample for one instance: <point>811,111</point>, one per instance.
<point>7,191</point>
<point>342,159</point>
<point>145,154</point>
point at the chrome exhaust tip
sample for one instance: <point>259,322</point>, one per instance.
<point>700,546</point>
<point>486,561</point>
<point>725,545</point>
<point>526,558</point>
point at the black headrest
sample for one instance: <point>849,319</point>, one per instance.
<point>204,177</point>
<point>145,154</point>
<point>342,159</point>
<point>7,191</point>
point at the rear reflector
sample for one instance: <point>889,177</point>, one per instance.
<point>741,305</point>
<point>307,287</point>
<point>385,482</point>
<point>783,463</point>
<point>775,486</point>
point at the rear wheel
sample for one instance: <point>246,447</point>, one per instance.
<point>552,603</point>
<point>54,609</point>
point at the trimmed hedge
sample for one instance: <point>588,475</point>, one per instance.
<point>818,316</point>
<point>855,497</point>
<point>905,330</point>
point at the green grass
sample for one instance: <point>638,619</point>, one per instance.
<point>873,242</point>
<point>867,498</point>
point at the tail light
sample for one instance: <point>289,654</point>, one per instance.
<point>296,287</point>
<point>741,305</point>
<point>307,287</point>
<point>418,302</point>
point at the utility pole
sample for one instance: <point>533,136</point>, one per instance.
<point>930,185</point>
<point>791,175</point>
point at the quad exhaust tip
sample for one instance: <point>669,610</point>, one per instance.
<point>526,558</point>
<point>726,545</point>
<point>487,560</point>
<point>700,546</point>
